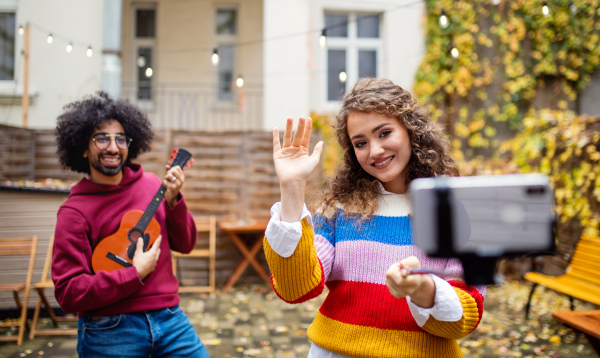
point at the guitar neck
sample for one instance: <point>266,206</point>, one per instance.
<point>180,160</point>
<point>151,209</point>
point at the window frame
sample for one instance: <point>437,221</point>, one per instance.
<point>226,40</point>
<point>352,44</point>
<point>12,7</point>
<point>137,44</point>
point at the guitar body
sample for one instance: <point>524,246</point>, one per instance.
<point>119,243</point>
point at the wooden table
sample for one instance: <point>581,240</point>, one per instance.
<point>254,229</point>
<point>587,322</point>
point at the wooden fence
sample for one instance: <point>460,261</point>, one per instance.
<point>232,177</point>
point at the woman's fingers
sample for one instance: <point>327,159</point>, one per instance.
<point>307,132</point>
<point>297,141</point>
<point>276,144</point>
<point>287,136</point>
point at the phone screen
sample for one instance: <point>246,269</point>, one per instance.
<point>489,215</point>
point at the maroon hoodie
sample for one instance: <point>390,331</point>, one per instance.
<point>93,212</point>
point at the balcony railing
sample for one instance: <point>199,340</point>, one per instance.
<point>198,106</point>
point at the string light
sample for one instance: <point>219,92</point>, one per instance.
<point>444,19</point>
<point>573,8</point>
<point>323,38</point>
<point>141,61</point>
<point>545,9</point>
<point>343,77</point>
<point>89,51</point>
<point>21,30</point>
<point>149,72</point>
<point>454,52</point>
<point>215,57</point>
<point>239,81</point>
<point>69,48</point>
<point>50,38</point>
<point>496,2</point>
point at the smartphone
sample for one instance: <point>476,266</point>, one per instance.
<point>485,216</point>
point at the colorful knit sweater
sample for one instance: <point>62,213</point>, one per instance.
<point>359,317</point>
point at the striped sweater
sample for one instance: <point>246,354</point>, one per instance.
<point>359,317</point>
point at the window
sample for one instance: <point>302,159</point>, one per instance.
<point>7,46</point>
<point>144,42</point>
<point>226,37</point>
<point>353,50</point>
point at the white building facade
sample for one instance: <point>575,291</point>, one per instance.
<point>159,54</point>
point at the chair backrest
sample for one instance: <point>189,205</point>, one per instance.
<point>21,246</point>
<point>585,263</point>
<point>45,273</point>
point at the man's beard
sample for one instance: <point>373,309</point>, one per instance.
<point>106,170</point>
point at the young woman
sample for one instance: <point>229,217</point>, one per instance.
<point>359,242</point>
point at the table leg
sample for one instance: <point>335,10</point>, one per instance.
<point>249,257</point>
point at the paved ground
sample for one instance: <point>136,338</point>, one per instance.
<point>253,322</point>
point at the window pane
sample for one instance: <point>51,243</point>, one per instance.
<point>367,63</point>
<point>144,81</point>
<point>7,45</point>
<point>336,63</point>
<point>226,21</point>
<point>226,72</point>
<point>145,23</point>
<point>368,25</point>
<point>336,25</point>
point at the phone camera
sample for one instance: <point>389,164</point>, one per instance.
<point>536,190</point>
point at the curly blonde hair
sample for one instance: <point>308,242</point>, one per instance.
<point>352,187</point>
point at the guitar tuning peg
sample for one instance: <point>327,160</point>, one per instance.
<point>184,171</point>
<point>172,156</point>
<point>174,150</point>
<point>170,162</point>
<point>188,165</point>
<point>191,160</point>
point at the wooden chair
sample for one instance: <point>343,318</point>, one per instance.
<point>203,224</point>
<point>44,283</point>
<point>20,248</point>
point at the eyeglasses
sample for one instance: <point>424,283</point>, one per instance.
<point>102,140</point>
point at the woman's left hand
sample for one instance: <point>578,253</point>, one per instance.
<point>400,283</point>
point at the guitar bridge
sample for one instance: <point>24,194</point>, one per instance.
<point>121,261</point>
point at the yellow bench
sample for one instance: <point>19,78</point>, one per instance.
<point>581,279</point>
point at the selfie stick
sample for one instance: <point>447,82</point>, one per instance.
<point>478,270</point>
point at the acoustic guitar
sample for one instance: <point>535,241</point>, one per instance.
<point>116,251</point>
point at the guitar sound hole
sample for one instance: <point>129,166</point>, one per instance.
<point>134,235</point>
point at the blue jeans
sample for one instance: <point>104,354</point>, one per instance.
<point>157,333</point>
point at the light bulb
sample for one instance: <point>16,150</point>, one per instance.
<point>323,38</point>
<point>239,81</point>
<point>149,72</point>
<point>215,57</point>
<point>495,2</point>
<point>21,30</point>
<point>343,77</point>
<point>50,39</point>
<point>454,52</point>
<point>89,52</point>
<point>573,8</point>
<point>69,47</point>
<point>141,61</point>
<point>545,9</point>
<point>444,19</point>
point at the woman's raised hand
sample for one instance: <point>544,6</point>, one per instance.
<point>294,165</point>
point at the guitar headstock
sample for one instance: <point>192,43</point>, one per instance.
<point>181,157</point>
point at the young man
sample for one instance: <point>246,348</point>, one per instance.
<point>133,311</point>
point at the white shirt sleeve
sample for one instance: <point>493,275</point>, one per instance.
<point>446,306</point>
<point>284,236</point>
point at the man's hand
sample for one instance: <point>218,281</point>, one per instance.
<point>145,262</point>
